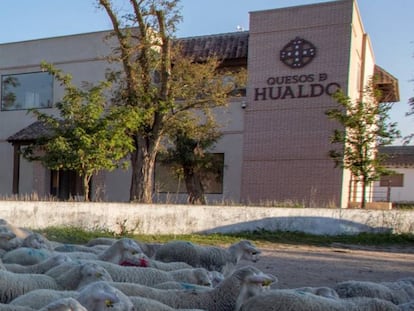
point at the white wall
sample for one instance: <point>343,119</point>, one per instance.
<point>185,219</point>
<point>401,194</point>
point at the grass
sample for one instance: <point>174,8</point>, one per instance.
<point>80,236</point>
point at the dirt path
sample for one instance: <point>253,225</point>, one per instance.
<point>297,266</point>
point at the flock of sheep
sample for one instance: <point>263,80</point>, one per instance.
<point>125,274</point>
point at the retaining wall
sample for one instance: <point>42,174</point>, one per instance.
<point>185,219</point>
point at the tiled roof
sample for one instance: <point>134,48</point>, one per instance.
<point>398,155</point>
<point>226,46</point>
<point>30,133</point>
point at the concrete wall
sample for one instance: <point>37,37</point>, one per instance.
<point>184,219</point>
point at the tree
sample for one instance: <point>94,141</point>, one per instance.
<point>365,127</point>
<point>157,81</point>
<point>190,140</point>
<point>408,138</point>
<point>85,137</point>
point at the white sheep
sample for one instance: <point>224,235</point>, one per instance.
<point>210,257</point>
<point>16,284</point>
<point>100,296</point>
<point>27,256</point>
<point>8,307</point>
<point>323,291</point>
<point>96,296</point>
<point>148,248</point>
<point>124,251</point>
<point>78,275</point>
<point>292,300</point>
<point>39,298</point>
<point>8,240</point>
<point>146,304</point>
<point>64,304</point>
<point>398,292</point>
<point>221,298</point>
<point>38,268</point>
<point>152,276</point>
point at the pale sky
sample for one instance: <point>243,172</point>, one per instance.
<point>389,24</point>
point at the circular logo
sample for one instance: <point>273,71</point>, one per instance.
<point>297,53</point>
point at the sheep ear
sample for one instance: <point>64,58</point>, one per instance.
<point>263,279</point>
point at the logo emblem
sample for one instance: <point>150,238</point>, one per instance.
<point>297,53</point>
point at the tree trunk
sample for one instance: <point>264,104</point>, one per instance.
<point>86,179</point>
<point>364,191</point>
<point>142,165</point>
<point>195,189</point>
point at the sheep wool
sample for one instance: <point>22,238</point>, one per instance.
<point>221,298</point>
<point>396,292</point>
<point>15,284</point>
<point>38,268</point>
<point>40,298</point>
<point>152,276</point>
<point>64,304</point>
<point>210,257</point>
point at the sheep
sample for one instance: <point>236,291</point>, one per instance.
<point>67,248</point>
<point>39,298</point>
<point>146,304</point>
<point>292,300</point>
<point>8,240</point>
<point>221,298</point>
<point>64,304</point>
<point>14,284</point>
<point>152,276</point>
<point>8,307</point>
<point>168,266</point>
<point>99,296</point>
<point>79,275</point>
<point>398,292</point>
<point>148,248</point>
<point>38,241</point>
<point>209,257</point>
<point>38,268</point>
<point>96,296</point>
<point>26,256</point>
<point>124,251</point>
<point>323,291</point>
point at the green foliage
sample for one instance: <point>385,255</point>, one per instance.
<point>159,81</point>
<point>365,126</point>
<point>86,137</point>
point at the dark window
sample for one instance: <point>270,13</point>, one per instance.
<point>168,178</point>
<point>395,180</point>
<point>26,91</point>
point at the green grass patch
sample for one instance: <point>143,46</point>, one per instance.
<point>80,236</point>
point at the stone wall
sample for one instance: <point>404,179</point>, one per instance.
<point>184,219</point>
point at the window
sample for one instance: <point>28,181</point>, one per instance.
<point>395,180</point>
<point>25,91</point>
<point>168,180</point>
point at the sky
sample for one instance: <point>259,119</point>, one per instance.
<point>388,23</point>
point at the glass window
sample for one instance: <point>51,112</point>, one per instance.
<point>168,180</point>
<point>25,91</point>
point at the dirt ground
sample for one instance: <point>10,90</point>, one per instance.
<point>298,266</point>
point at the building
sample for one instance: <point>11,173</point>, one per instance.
<point>276,141</point>
<point>397,187</point>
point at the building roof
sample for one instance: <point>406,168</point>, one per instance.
<point>398,155</point>
<point>226,46</point>
<point>387,84</point>
<point>30,133</point>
